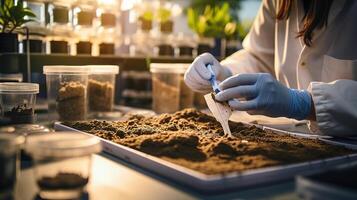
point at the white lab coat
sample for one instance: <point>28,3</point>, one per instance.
<point>328,69</point>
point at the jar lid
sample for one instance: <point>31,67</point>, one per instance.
<point>11,87</point>
<point>65,69</point>
<point>9,143</point>
<point>104,69</point>
<point>62,145</point>
<point>25,129</point>
<point>177,68</point>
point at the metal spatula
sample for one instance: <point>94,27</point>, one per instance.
<point>220,111</point>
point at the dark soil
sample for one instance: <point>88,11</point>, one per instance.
<point>62,181</point>
<point>192,139</point>
<point>20,114</point>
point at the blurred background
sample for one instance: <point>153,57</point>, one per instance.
<point>128,33</point>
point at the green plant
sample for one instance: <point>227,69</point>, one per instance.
<point>211,22</point>
<point>234,30</point>
<point>163,15</point>
<point>13,15</point>
<point>147,15</point>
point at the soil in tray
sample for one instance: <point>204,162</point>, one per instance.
<point>194,140</point>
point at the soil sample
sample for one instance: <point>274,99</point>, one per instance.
<point>101,95</point>
<point>21,114</point>
<point>167,27</point>
<point>71,101</point>
<point>166,97</point>
<point>60,15</point>
<point>186,51</point>
<point>186,95</point>
<point>166,50</point>
<point>59,47</point>
<point>84,47</point>
<point>106,49</point>
<point>62,181</point>
<point>195,140</point>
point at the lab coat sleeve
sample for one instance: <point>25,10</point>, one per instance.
<point>257,54</point>
<point>336,108</point>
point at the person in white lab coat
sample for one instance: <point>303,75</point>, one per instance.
<point>299,60</point>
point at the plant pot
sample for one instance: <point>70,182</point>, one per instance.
<point>146,25</point>
<point>167,27</point>
<point>9,43</point>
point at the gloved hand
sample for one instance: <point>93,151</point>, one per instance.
<point>263,94</point>
<point>197,75</point>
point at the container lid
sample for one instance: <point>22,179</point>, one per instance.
<point>65,69</point>
<point>25,129</point>
<point>104,69</point>
<point>11,87</point>
<point>62,145</point>
<point>9,143</point>
<point>177,68</point>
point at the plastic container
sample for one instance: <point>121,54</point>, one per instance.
<point>62,163</point>
<point>170,93</point>
<point>17,102</point>
<point>67,92</point>
<point>9,163</point>
<point>101,87</point>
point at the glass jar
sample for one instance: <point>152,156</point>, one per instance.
<point>62,163</point>
<point>67,92</point>
<point>101,87</point>
<point>17,102</point>
<point>108,33</point>
<point>170,92</point>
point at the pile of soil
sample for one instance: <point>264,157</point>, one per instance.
<point>195,140</point>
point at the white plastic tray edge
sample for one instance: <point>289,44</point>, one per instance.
<point>212,183</point>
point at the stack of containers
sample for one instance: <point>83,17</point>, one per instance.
<point>60,27</point>
<point>107,33</point>
<point>170,92</point>
<point>84,29</point>
<point>72,89</point>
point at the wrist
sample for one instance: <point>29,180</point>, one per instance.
<point>300,104</point>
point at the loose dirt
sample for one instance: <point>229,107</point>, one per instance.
<point>194,140</point>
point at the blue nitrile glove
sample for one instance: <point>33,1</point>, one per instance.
<point>264,95</point>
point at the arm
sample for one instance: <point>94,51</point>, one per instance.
<point>336,107</point>
<point>257,54</point>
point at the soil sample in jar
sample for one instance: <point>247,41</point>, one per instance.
<point>106,49</point>
<point>186,95</point>
<point>21,114</point>
<point>101,95</point>
<point>71,101</point>
<point>84,47</point>
<point>60,14</point>
<point>36,46</point>
<point>166,97</point>
<point>59,47</point>
<point>166,50</point>
<point>62,181</point>
<point>186,51</point>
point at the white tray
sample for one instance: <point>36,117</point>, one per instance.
<point>214,183</point>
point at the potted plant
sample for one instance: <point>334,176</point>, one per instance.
<point>146,19</point>
<point>12,17</point>
<point>164,17</point>
<point>210,24</point>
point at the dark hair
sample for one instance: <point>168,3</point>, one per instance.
<point>316,16</point>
